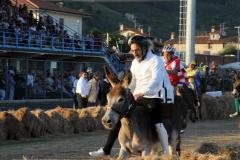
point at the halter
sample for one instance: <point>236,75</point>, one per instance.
<point>131,107</point>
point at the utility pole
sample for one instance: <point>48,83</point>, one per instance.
<point>238,28</point>
<point>190,31</point>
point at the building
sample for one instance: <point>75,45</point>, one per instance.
<point>129,32</point>
<point>70,18</point>
<point>211,44</point>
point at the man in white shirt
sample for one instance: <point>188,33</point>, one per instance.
<point>82,90</point>
<point>30,82</point>
<point>150,86</point>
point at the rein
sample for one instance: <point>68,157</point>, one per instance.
<point>131,107</point>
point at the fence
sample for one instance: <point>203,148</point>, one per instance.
<point>51,79</point>
<point>207,59</point>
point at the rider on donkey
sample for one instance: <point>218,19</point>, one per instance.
<point>149,77</point>
<point>175,69</point>
<point>194,79</point>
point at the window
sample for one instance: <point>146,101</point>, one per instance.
<point>209,46</point>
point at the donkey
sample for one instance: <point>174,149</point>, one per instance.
<point>137,133</point>
<point>189,98</point>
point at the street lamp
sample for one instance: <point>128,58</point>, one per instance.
<point>238,28</point>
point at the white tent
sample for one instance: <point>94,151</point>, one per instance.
<point>235,65</point>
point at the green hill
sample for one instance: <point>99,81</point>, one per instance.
<point>162,17</point>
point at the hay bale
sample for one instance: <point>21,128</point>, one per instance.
<point>63,120</point>
<point>217,107</point>
<point>90,118</point>
<point>32,124</point>
<point>197,156</point>
<point>232,151</point>
<point>43,127</point>
<point>56,121</point>
<point>209,148</point>
<point>23,116</point>
<point>71,116</point>
<point>3,129</point>
<point>10,127</point>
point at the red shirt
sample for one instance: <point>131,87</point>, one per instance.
<point>173,64</point>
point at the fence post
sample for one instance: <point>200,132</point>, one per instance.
<point>4,40</point>
<point>52,42</point>
<point>61,80</point>
<point>62,42</point>
<point>73,46</point>
<point>16,34</point>
<point>29,39</point>
<point>41,41</point>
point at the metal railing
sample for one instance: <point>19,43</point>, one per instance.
<point>44,41</point>
<point>50,42</point>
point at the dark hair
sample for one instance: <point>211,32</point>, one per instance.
<point>140,40</point>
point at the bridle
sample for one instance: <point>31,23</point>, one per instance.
<point>131,106</point>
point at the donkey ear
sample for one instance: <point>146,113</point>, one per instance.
<point>127,79</point>
<point>111,78</point>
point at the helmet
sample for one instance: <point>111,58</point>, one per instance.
<point>140,40</point>
<point>168,49</point>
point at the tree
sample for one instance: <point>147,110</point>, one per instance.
<point>229,49</point>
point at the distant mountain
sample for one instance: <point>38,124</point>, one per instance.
<point>162,17</point>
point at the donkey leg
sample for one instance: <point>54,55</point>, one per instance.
<point>174,138</point>
<point>178,149</point>
<point>123,153</point>
<point>146,151</point>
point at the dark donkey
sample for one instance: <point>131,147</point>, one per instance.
<point>137,133</point>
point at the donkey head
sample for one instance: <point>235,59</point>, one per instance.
<point>236,85</point>
<point>119,100</point>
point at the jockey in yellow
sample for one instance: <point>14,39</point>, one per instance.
<point>194,79</point>
<point>191,73</point>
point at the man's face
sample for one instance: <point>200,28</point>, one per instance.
<point>84,75</point>
<point>137,52</point>
<point>167,56</point>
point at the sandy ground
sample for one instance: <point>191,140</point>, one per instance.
<point>78,146</point>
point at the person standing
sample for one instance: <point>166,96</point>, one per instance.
<point>74,88</point>
<point>104,88</point>
<point>93,85</point>
<point>82,90</point>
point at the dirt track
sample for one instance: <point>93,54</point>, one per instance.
<point>77,146</point>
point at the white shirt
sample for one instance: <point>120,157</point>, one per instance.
<point>82,87</point>
<point>150,77</point>
<point>30,80</point>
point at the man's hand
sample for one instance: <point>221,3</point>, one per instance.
<point>138,96</point>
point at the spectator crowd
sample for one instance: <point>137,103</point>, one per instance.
<point>18,26</point>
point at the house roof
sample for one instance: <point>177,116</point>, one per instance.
<point>206,40</point>
<point>39,4</point>
<point>133,30</point>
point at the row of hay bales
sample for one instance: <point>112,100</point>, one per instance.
<point>217,107</point>
<point>207,151</point>
<point>212,151</point>
<point>23,123</point>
